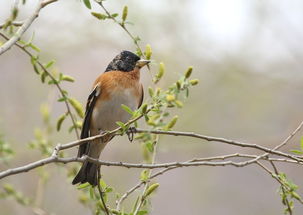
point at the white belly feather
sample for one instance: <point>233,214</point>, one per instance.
<point>110,111</point>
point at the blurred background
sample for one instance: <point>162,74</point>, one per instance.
<point>248,56</point>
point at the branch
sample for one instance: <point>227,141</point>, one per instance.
<point>24,26</point>
<point>15,23</point>
<point>283,189</point>
<point>280,145</point>
<point>219,139</point>
<point>121,25</point>
<point>61,91</point>
<point>54,158</point>
<point>187,163</point>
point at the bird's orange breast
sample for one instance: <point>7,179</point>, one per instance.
<point>116,81</point>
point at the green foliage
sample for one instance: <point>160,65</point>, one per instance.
<point>299,151</point>
<point>151,189</point>
<point>124,14</point>
<point>42,135</point>
<point>87,4</point>
<point>90,197</point>
<point>6,152</point>
<point>156,113</point>
<point>8,191</point>
<point>148,52</point>
<point>288,193</point>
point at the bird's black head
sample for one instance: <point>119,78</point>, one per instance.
<point>125,62</point>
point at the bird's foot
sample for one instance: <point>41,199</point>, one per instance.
<point>130,133</point>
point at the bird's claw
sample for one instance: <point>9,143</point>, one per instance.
<point>130,133</point>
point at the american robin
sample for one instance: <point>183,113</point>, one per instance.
<point>119,84</point>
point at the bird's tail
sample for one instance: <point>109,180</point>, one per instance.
<point>87,173</point>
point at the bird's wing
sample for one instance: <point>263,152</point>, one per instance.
<point>142,96</point>
<point>90,104</point>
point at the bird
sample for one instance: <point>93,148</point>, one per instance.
<point>118,84</point>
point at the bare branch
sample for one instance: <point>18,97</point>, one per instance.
<point>15,23</point>
<point>6,46</point>
<point>54,158</point>
<point>219,139</point>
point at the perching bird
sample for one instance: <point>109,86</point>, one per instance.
<point>119,84</point>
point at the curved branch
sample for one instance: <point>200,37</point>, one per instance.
<point>7,45</point>
<point>219,139</point>
<point>171,165</point>
<point>196,162</point>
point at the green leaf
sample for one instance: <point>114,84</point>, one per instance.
<point>150,92</point>
<point>188,72</point>
<point>194,82</point>
<point>49,64</point>
<point>91,193</point>
<point>127,109</point>
<point>144,175</point>
<point>9,188</point>
<point>60,121</point>
<point>68,78</point>
<point>172,123</point>
<point>135,205</point>
<point>301,143</point>
<point>150,146</point>
<point>148,51</point>
<point>115,15</point>
<point>179,103</point>
<point>144,108</point>
<point>34,47</point>
<point>99,15</point>
<point>14,13</point>
<point>151,189</point>
<point>296,196</point>
<point>160,73</point>
<point>87,4</point>
<point>296,151</point>
<point>62,99</point>
<point>43,76</point>
<point>36,69</point>
<point>109,189</point>
<point>102,184</point>
<point>82,186</point>
<point>124,13</point>
<point>122,125</point>
<point>77,106</point>
<point>53,81</point>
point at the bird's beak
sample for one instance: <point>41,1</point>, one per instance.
<point>140,63</point>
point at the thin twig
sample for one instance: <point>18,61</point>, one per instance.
<point>283,189</point>
<point>277,178</point>
<point>61,91</point>
<point>7,45</point>
<point>143,197</point>
<point>60,147</point>
<point>194,162</point>
<point>122,25</point>
<point>219,139</point>
<point>15,23</point>
<point>101,192</point>
<point>280,145</point>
